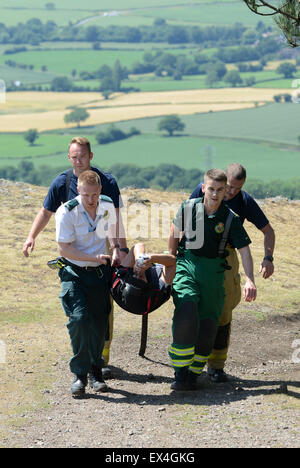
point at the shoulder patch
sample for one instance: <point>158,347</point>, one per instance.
<point>106,198</point>
<point>72,204</point>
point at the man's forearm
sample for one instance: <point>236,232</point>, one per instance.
<point>249,290</point>
<point>173,240</point>
<point>40,222</point>
<point>69,251</point>
<point>120,230</point>
<point>269,240</point>
<point>247,262</point>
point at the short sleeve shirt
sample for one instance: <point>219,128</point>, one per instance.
<point>214,226</point>
<point>74,225</point>
<point>242,204</point>
<point>57,193</point>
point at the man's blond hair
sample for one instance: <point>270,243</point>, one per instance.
<point>216,174</point>
<point>90,178</point>
<point>80,141</point>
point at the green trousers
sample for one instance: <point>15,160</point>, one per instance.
<point>85,298</point>
<point>198,294</point>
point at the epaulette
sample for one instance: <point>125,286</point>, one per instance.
<point>234,213</point>
<point>193,200</point>
<point>72,204</point>
<point>106,198</point>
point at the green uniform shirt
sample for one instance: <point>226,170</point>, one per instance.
<point>213,229</point>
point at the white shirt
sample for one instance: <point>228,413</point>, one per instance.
<point>87,235</point>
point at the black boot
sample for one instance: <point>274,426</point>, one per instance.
<point>217,375</point>
<point>184,380</point>
<point>96,380</point>
<point>192,380</point>
<point>79,384</point>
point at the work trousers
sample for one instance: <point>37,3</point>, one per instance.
<point>232,285</point>
<point>85,298</point>
<point>109,335</point>
<point>198,294</point>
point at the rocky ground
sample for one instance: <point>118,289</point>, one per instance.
<point>259,407</point>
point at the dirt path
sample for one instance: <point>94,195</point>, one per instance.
<point>259,408</point>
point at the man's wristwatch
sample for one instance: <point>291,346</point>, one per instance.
<point>124,249</point>
<point>269,258</point>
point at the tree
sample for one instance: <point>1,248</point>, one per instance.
<point>61,83</point>
<point>287,69</point>
<point>171,123</point>
<point>92,34</point>
<point>117,76</point>
<point>106,87</point>
<point>286,15</point>
<point>77,115</point>
<point>31,135</point>
<point>211,78</point>
<point>233,77</point>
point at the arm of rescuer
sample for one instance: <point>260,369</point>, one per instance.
<point>38,225</point>
<point>267,267</point>
<point>43,218</point>
<point>249,290</point>
<point>68,250</point>
<point>174,237</point>
<point>120,233</point>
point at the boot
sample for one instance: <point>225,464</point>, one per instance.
<point>185,380</point>
<point>96,380</point>
<point>217,375</point>
<point>79,384</point>
<point>192,380</point>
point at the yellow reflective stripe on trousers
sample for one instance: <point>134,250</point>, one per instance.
<point>182,352</point>
<point>181,357</point>
<point>198,364</point>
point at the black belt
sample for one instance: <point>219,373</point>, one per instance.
<point>84,268</point>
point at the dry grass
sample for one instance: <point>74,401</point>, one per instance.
<point>46,111</point>
<point>32,321</point>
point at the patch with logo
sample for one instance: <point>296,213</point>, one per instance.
<point>219,228</point>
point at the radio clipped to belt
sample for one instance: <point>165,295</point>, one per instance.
<point>56,264</point>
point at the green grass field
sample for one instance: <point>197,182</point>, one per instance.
<point>11,74</point>
<point>133,13</point>
<point>64,61</point>
<point>261,160</point>
<point>269,151</point>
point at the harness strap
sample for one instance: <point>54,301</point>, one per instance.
<point>115,283</point>
<point>224,239</point>
<point>67,185</point>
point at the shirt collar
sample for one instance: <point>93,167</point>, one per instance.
<point>220,211</point>
<point>100,208</point>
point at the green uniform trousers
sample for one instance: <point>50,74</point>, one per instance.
<point>232,285</point>
<point>198,280</point>
<point>201,280</point>
<point>85,298</point>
